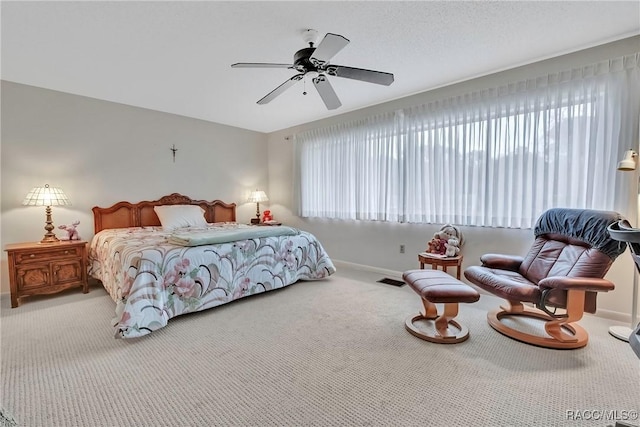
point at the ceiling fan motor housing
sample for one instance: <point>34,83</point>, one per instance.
<point>301,59</point>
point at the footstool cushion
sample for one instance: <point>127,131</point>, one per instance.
<point>437,287</point>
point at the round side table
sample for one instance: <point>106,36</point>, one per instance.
<point>444,263</point>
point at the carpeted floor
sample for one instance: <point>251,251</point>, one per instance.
<point>328,353</point>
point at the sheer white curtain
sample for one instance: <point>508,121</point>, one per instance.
<point>351,171</point>
<point>497,157</point>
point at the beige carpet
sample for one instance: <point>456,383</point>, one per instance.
<point>329,353</point>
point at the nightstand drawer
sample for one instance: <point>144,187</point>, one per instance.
<point>37,256</point>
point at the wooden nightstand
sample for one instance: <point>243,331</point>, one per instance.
<point>46,268</point>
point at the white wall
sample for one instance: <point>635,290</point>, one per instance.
<point>377,244</point>
<point>100,153</point>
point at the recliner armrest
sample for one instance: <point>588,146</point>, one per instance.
<point>502,262</point>
<point>577,283</point>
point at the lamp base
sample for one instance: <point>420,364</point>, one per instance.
<point>49,238</point>
<point>621,332</point>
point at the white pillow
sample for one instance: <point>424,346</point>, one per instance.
<point>176,216</point>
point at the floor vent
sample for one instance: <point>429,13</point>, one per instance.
<point>393,282</point>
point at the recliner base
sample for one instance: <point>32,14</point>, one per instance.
<point>576,338</point>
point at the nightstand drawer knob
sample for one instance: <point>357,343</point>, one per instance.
<point>66,252</point>
<point>32,256</point>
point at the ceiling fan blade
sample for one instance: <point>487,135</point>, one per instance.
<point>328,47</point>
<point>277,91</point>
<point>260,65</point>
<point>370,76</point>
<point>326,92</point>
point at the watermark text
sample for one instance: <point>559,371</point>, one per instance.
<point>601,415</point>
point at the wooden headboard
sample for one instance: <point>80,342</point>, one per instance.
<point>126,214</point>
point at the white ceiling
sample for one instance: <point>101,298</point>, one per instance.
<point>175,56</point>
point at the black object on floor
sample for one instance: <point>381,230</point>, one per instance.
<point>393,282</point>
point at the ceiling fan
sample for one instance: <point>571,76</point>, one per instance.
<point>314,62</point>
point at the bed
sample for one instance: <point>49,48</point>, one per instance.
<point>155,272</point>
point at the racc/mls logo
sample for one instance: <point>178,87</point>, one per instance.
<point>619,416</point>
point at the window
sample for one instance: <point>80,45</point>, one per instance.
<point>496,158</point>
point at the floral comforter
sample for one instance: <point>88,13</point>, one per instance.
<point>152,280</point>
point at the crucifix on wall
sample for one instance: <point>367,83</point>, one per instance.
<point>173,152</point>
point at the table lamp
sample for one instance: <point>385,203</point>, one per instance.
<point>257,197</point>
<point>47,196</point>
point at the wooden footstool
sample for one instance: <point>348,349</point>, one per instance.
<point>435,286</point>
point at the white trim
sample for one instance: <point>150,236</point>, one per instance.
<point>613,315</point>
<point>362,267</point>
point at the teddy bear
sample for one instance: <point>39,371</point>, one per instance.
<point>72,232</point>
<point>446,242</point>
<point>436,246</point>
<point>452,247</point>
<point>266,216</point>
<point>449,231</point>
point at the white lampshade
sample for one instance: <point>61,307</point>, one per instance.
<point>46,196</point>
<point>257,196</point>
<point>629,161</point>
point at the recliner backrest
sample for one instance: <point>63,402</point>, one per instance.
<point>557,255</point>
<point>571,243</point>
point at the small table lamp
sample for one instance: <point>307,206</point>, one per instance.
<point>257,197</point>
<point>47,196</point>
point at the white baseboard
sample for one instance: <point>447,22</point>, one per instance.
<point>371,269</point>
<point>613,315</point>
<point>604,314</point>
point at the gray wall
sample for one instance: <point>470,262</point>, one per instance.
<point>101,152</point>
<point>376,244</point>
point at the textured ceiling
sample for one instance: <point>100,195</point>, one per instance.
<point>175,56</point>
